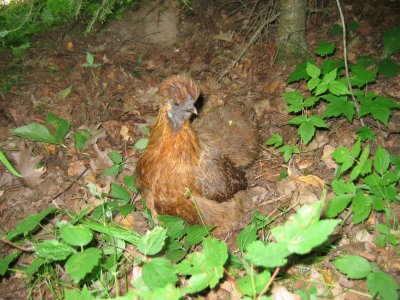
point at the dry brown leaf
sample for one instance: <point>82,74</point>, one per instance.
<point>327,157</point>
<point>311,180</point>
<point>26,165</point>
<point>124,132</point>
<point>76,168</point>
<point>279,292</point>
<point>101,162</point>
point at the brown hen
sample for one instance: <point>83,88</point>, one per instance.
<point>195,171</point>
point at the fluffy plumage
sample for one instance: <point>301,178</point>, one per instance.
<point>206,158</point>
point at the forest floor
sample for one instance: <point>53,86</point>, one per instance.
<point>117,100</point>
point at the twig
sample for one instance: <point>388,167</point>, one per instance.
<point>71,184</point>
<point>269,283</point>
<point>252,40</point>
<point>24,249</point>
<point>346,67</point>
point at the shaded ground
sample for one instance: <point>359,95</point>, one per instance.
<point>116,100</point>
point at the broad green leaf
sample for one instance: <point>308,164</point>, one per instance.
<point>81,137</point>
<point>276,140</point>
<point>34,267</point>
<point>338,204</point>
<point>175,251</point>
<point>29,224</point>
<point>215,252</point>
<point>366,133</point>
<point>294,100</point>
<point>353,266</point>
<point>388,68</point>
<point>303,230</point>
<point>60,125</point>
<point>82,263</point>
<point>252,284</point>
<point>336,29</point>
<point>269,256</point>
<point>321,88</point>
<point>84,294</point>
<point>35,132</point>
<point>115,157</point>
<point>153,241</point>
<point>379,107</point>
<point>312,70</point>
<point>313,83</point>
<point>113,171</point>
<point>343,156</point>
<point>8,165</point>
<point>317,122</point>
<point>341,187</point>
<point>78,235</point>
<point>6,261</point>
<point>324,48</point>
<point>298,73</point>
<point>158,273</point>
<point>383,285</point>
<point>310,101</point>
<point>353,26</point>
<point>361,76</point>
<point>195,234</point>
<point>174,224</point>
<point>65,92</point>
<point>365,61</point>
<point>141,144</point>
<point>331,76</point>
<point>169,292</point>
<point>89,58</point>
<point>53,250</point>
<point>200,281</point>
<point>361,207</point>
<point>391,41</point>
<point>338,87</point>
<point>119,193</point>
<point>389,178</point>
<point>381,160</point>
<point>340,107</point>
<point>130,182</point>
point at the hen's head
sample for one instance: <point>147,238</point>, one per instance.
<point>180,93</point>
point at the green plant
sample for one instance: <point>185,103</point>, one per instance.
<point>90,61</point>
<point>287,151</point>
<point>379,283</point>
<point>8,165</point>
<point>92,249</point>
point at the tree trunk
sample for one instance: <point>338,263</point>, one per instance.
<point>291,38</point>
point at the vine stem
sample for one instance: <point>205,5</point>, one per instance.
<point>269,283</point>
<point>346,67</point>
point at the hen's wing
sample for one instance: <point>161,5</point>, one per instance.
<point>232,130</point>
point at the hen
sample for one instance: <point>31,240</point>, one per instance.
<point>195,169</point>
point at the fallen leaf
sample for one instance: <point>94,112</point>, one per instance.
<point>224,36</point>
<point>76,168</point>
<point>125,133</point>
<point>311,180</point>
<point>26,164</point>
<point>279,292</point>
<point>327,157</point>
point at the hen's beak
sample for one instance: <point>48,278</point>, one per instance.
<point>194,110</point>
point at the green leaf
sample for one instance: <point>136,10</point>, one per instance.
<point>331,76</point>
<point>89,58</point>
<point>353,26</point>
<point>276,140</point>
<point>298,73</point>
<point>364,165</point>
<point>34,267</point>
<point>312,70</point>
<point>115,157</point>
<point>158,273</point>
<point>81,137</point>
<point>175,251</point>
<point>6,261</point>
<point>35,132</point>
<point>174,224</point>
<point>169,292</point>
<point>246,236</point>
<point>321,88</point>
<point>340,106</point>
<point>195,234</point>
<point>60,125</point>
<point>84,294</point>
<point>129,236</point>
<point>141,144</point>
<point>310,101</point>
<point>324,48</point>
<point>388,68</point>
<point>78,235</point>
<point>365,61</point>
<point>391,41</point>
<point>294,100</point>
<point>338,87</point>
<point>383,285</point>
<point>313,83</point>
<point>130,182</point>
<point>29,224</point>
<point>343,156</point>
<point>381,160</point>
<point>366,133</point>
<point>361,76</point>
<point>53,250</point>
<point>153,241</point>
<point>253,283</point>
<point>353,266</point>
<point>65,92</point>
<point>379,107</point>
<point>338,204</point>
<point>361,207</point>
<point>341,187</point>
<point>8,165</point>
<point>303,231</point>
<point>119,193</point>
<point>82,263</point>
<point>268,256</point>
<point>336,29</point>
<point>113,171</point>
